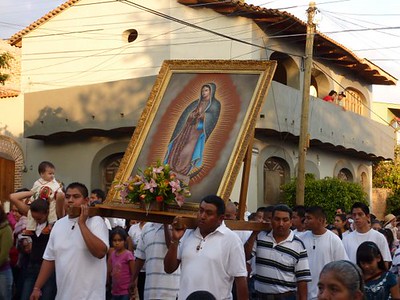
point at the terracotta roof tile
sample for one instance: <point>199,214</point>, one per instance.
<point>16,39</point>
<point>7,93</point>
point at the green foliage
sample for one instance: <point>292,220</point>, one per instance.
<point>5,59</point>
<point>393,203</point>
<point>329,193</point>
<point>386,174</point>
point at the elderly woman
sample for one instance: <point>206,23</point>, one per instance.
<point>341,280</point>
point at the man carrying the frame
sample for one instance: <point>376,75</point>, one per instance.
<point>212,255</point>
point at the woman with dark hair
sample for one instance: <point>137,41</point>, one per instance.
<point>379,283</point>
<point>388,233</point>
<point>342,225</point>
<point>197,122</point>
<point>6,242</point>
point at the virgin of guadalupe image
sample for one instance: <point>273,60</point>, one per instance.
<point>197,122</point>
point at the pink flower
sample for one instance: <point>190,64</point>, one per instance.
<point>176,187</point>
<point>180,199</point>
<point>158,170</point>
<point>150,185</point>
<point>123,194</point>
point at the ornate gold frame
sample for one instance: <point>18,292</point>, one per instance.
<point>263,70</point>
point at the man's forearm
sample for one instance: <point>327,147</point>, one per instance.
<point>139,263</point>
<point>241,288</point>
<point>47,268</point>
<point>302,290</point>
<point>248,246</point>
<point>95,245</point>
<point>171,262</point>
<point>16,199</point>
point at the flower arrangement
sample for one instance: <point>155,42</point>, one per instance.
<point>157,183</point>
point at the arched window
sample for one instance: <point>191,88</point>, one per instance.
<point>313,91</point>
<point>276,173</point>
<point>364,181</point>
<point>345,175</point>
<point>320,85</point>
<point>110,167</point>
<point>287,71</point>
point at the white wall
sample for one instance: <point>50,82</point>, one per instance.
<point>79,47</point>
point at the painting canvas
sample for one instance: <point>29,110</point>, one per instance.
<point>198,119</point>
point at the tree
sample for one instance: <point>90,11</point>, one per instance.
<point>5,59</point>
<point>329,193</point>
<point>386,174</point>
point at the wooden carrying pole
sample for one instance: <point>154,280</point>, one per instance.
<point>189,220</point>
<point>245,178</point>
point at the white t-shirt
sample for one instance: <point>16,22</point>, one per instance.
<point>321,249</point>
<point>114,222</point>
<point>210,263</point>
<point>134,233</point>
<point>79,274</point>
<point>243,235</point>
<point>355,239</point>
<point>299,234</point>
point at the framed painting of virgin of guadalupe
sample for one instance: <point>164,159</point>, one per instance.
<point>198,120</point>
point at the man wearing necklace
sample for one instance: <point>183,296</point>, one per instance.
<point>282,270</point>
<point>76,250</point>
<point>323,246</point>
<point>212,255</point>
<point>362,233</point>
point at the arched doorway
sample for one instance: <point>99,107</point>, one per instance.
<point>11,166</point>
<point>276,173</point>
<point>110,167</point>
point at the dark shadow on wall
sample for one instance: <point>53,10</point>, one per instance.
<point>100,107</point>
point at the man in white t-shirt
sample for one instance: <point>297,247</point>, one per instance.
<point>211,256</point>
<point>323,246</point>
<point>362,233</point>
<point>135,232</point>
<point>77,250</point>
<point>298,217</point>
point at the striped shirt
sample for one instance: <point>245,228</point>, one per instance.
<point>280,266</point>
<point>395,269</point>
<point>152,249</point>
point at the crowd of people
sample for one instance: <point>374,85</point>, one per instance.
<point>298,255</point>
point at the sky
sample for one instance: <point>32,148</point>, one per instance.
<point>369,28</point>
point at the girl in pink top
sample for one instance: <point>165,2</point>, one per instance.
<point>120,265</point>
